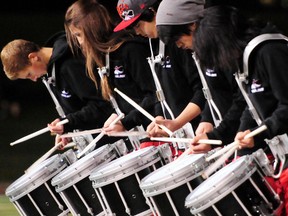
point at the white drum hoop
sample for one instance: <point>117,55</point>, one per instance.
<point>36,177</point>
<point>174,174</point>
<point>222,183</point>
<point>83,167</point>
<point>124,166</point>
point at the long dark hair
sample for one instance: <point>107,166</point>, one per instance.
<point>219,38</point>
<point>222,35</point>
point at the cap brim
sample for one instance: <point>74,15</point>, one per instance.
<point>125,23</point>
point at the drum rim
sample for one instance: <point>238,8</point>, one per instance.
<point>114,170</point>
<point>214,195</point>
<point>31,180</point>
<point>76,169</point>
<point>176,177</point>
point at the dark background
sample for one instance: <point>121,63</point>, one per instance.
<point>26,107</point>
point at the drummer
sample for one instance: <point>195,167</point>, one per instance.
<point>178,74</point>
<point>267,78</point>
<point>228,98</point>
<point>89,26</point>
<point>82,104</point>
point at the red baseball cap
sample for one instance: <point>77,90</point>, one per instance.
<point>130,10</point>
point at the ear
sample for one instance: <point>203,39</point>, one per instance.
<point>33,57</point>
<point>193,26</point>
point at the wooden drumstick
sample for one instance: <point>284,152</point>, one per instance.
<point>93,143</point>
<point>37,133</point>
<point>143,111</point>
<point>226,148</point>
<point>127,133</point>
<point>229,151</point>
<point>186,140</point>
<point>45,156</point>
<point>81,133</point>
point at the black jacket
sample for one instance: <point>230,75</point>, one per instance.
<point>130,73</point>
<point>76,92</point>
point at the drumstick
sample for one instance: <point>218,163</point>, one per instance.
<point>143,111</point>
<point>90,145</point>
<point>220,161</point>
<point>45,156</point>
<point>127,133</point>
<point>232,148</point>
<point>80,133</point>
<point>226,148</point>
<point>37,133</point>
<point>187,140</point>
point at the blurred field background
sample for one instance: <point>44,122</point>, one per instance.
<point>26,107</point>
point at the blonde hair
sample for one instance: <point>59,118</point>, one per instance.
<point>14,56</point>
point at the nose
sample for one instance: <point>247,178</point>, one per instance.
<point>34,79</point>
<point>178,44</point>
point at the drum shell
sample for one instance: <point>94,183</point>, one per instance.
<point>33,192</point>
<point>124,174</point>
<point>176,180</point>
<point>237,188</point>
<point>73,183</point>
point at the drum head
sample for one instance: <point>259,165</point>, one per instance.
<point>83,167</point>
<point>36,177</point>
<point>221,183</point>
<point>124,166</point>
<point>173,174</point>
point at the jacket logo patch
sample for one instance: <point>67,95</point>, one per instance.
<point>211,73</point>
<point>119,72</point>
<point>167,62</point>
<point>65,94</point>
<point>256,86</point>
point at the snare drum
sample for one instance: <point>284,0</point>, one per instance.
<point>168,186</point>
<point>32,194</point>
<point>239,188</point>
<point>74,186</point>
<point>118,182</point>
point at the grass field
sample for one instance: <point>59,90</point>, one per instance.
<point>6,207</point>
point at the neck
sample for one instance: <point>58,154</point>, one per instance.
<point>46,53</point>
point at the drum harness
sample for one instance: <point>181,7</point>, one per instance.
<point>279,143</point>
<point>186,130</point>
<point>80,141</point>
<point>216,115</point>
<point>105,71</point>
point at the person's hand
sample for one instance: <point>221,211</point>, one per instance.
<point>62,141</point>
<point>59,129</point>
<point>204,127</point>
<point>155,131</point>
<point>197,148</point>
<point>118,127</point>
<point>244,143</point>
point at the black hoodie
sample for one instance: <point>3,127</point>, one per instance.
<point>76,92</point>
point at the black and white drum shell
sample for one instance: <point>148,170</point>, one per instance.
<point>124,166</point>
<point>173,175</point>
<point>118,182</point>
<point>31,180</point>
<point>83,167</point>
<point>236,189</point>
<point>32,193</point>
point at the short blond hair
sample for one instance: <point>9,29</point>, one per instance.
<point>14,56</point>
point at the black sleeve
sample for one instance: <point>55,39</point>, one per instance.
<point>94,110</point>
<point>135,61</point>
<point>228,127</point>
